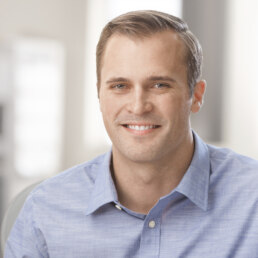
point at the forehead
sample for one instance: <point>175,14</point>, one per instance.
<point>168,38</point>
<point>161,49</point>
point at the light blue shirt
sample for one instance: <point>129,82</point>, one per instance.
<point>213,212</point>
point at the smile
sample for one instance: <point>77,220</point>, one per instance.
<point>141,127</point>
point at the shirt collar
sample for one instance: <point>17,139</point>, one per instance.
<point>104,189</point>
<point>195,183</point>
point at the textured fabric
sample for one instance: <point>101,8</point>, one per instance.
<point>212,213</point>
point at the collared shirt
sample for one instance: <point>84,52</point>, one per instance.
<point>213,212</point>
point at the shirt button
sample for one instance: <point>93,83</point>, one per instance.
<point>152,224</point>
<point>118,207</point>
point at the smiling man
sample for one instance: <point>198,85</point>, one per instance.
<point>161,191</point>
<point>146,102</point>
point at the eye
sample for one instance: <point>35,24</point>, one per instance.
<point>161,85</point>
<point>119,86</point>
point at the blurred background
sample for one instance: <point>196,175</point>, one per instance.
<point>49,113</point>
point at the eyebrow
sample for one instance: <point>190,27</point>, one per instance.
<point>150,78</point>
<point>117,79</point>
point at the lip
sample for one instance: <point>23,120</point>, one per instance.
<point>140,129</point>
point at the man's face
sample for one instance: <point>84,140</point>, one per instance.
<point>144,96</point>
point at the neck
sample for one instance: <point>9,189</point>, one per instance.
<point>141,184</point>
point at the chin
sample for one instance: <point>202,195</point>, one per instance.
<point>142,155</point>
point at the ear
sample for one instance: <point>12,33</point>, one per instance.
<point>198,96</point>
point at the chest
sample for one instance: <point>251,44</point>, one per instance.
<point>178,231</point>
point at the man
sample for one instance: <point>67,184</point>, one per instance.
<point>161,191</point>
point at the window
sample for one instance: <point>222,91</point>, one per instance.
<point>38,95</point>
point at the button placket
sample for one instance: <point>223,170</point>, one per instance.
<point>150,238</point>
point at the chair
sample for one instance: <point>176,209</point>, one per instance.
<point>12,213</point>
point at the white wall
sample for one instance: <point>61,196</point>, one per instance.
<point>227,31</point>
<point>63,21</point>
<point>240,124</point>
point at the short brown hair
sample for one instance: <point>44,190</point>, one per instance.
<point>145,23</point>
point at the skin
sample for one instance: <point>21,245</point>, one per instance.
<point>144,86</point>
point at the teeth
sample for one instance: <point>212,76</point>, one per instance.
<point>141,127</point>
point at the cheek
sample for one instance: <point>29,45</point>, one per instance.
<point>104,101</point>
<point>109,107</point>
<point>104,108</point>
<point>178,108</point>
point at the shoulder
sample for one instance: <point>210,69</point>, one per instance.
<point>233,168</point>
<point>70,187</point>
<point>228,158</point>
<point>55,204</point>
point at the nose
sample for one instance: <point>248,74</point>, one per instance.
<point>139,102</point>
